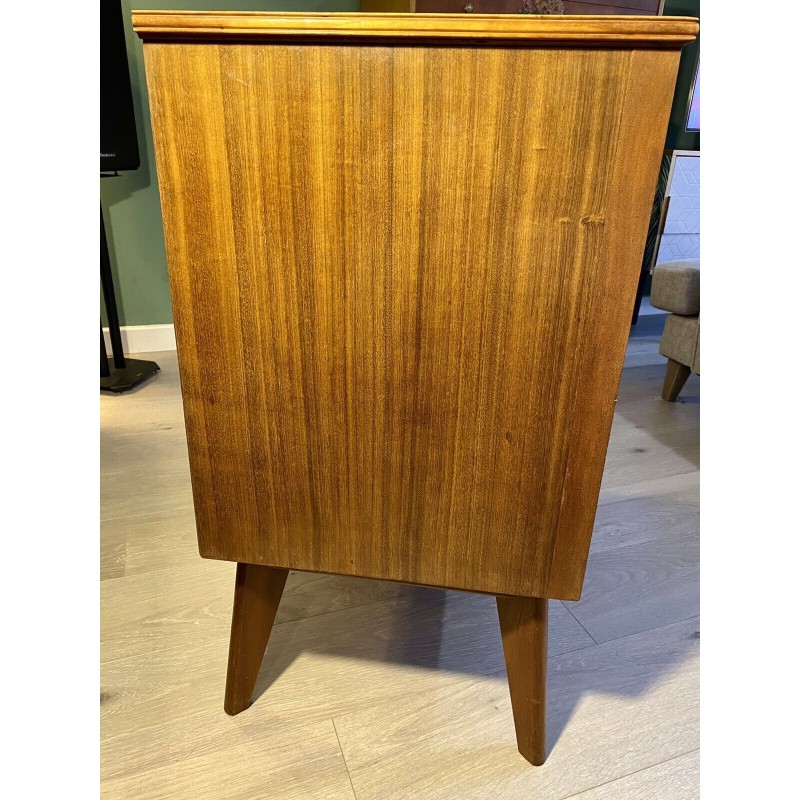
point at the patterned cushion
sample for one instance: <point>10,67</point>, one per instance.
<point>676,287</point>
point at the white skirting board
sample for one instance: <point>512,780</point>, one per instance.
<point>144,338</point>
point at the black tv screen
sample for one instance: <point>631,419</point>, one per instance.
<point>119,147</point>
<point>683,132</point>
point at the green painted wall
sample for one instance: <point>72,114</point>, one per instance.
<point>130,202</point>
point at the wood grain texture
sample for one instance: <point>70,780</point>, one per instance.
<point>674,380</point>
<point>302,763</point>
<point>676,779</point>
<point>341,649</point>
<point>600,351</point>
<point>627,705</point>
<point>523,623</point>
<point>605,30</point>
<point>643,569</point>
<point>256,597</point>
<point>165,636</point>
<point>401,303</point>
<point>651,442</point>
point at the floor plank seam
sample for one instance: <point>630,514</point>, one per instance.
<point>333,611</point>
<point>604,492</point>
<point>579,622</point>
<point>347,608</point>
<point>182,506</point>
<point>186,506</point>
<point>644,682</point>
<point>628,775</point>
<point>638,633</point>
<point>344,760</point>
<point>502,670</point>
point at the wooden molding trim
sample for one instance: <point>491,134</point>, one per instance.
<point>602,30</point>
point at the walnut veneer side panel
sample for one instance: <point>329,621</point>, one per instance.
<point>402,281</point>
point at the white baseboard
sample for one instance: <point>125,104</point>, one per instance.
<point>144,338</point>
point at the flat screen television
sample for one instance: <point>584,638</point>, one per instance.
<point>683,132</point>
<point>119,147</point>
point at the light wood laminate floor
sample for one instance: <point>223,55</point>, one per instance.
<point>378,691</point>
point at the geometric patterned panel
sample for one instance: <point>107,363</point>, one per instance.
<point>681,237</point>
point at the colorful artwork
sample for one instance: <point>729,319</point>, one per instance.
<point>693,123</point>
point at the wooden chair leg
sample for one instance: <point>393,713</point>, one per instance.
<point>674,380</point>
<point>523,624</point>
<point>255,603</point>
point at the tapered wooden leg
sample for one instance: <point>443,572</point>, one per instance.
<point>523,624</point>
<point>255,603</point>
<point>676,377</point>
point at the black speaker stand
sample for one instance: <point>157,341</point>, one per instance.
<point>117,374</point>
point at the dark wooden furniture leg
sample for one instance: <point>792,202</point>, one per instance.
<point>255,603</point>
<point>523,623</point>
<point>674,380</point>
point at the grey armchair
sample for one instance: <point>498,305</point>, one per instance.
<point>676,288</point>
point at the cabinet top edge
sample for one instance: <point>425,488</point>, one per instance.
<point>602,30</point>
